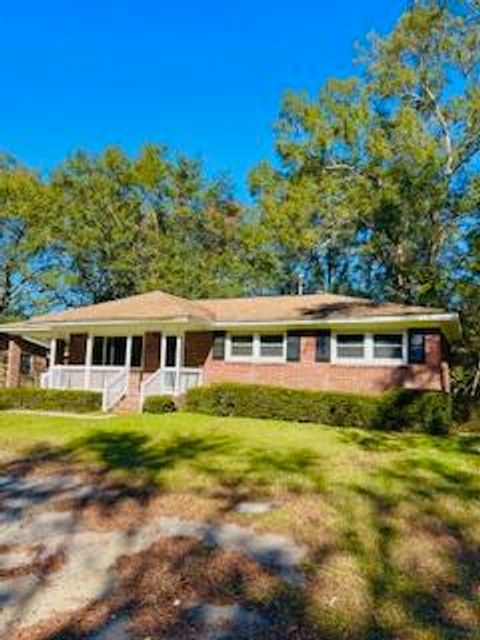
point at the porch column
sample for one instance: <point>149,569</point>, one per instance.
<point>53,352</point>
<point>13,363</point>
<point>128,352</point>
<point>53,360</point>
<point>178,364</point>
<point>88,360</point>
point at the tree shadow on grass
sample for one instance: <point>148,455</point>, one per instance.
<point>258,473</point>
<point>380,441</point>
<point>137,455</point>
<point>426,558</point>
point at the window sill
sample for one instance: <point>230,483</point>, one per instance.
<point>369,363</point>
<point>254,361</point>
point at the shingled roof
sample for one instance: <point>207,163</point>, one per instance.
<point>158,305</point>
<point>317,306</point>
<point>154,305</point>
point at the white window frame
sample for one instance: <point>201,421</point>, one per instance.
<point>256,355</point>
<point>368,343</point>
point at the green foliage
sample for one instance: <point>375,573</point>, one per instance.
<point>159,404</point>
<point>400,409</point>
<point>408,409</point>
<point>376,177</point>
<point>50,400</point>
<point>28,266</point>
<point>466,412</point>
<point>152,222</point>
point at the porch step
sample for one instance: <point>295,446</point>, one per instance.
<point>130,403</point>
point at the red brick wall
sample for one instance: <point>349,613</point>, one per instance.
<point>14,352</point>
<point>308,374</point>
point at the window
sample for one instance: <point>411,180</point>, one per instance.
<point>113,351</point>
<point>25,364</point>
<point>116,351</point>
<point>350,346</point>
<point>98,356</point>
<point>271,346</point>
<point>137,348</point>
<point>256,347</point>
<point>241,346</point>
<point>388,346</point>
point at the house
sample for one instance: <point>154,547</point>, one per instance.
<point>158,343</point>
<point>30,361</point>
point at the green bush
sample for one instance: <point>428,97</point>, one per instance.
<point>409,409</point>
<point>397,409</point>
<point>50,400</point>
<point>159,404</point>
<point>466,413</point>
<point>261,401</point>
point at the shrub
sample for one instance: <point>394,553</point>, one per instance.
<point>466,413</point>
<point>50,400</point>
<point>398,409</point>
<point>409,409</point>
<point>261,401</point>
<point>159,404</point>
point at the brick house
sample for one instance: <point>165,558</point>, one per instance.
<point>160,343</point>
<point>28,361</point>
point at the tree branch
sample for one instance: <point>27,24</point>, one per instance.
<point>444,125</point>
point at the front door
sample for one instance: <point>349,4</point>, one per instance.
<point>170,352</point>
<point>170,363</point>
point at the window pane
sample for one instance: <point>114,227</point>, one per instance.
<point>350,346</point>
<point>25,364</point>
<point>119,350</point>
<point>116,351</point>
<point>137,344</point>
<point>242,345</point>
<point>388,346</point>
<point>271,346</point>
<point>97,355</point>
<point>171,351</point>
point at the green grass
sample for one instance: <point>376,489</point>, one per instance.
<point>392,521</point>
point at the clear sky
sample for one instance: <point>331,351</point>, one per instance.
<point>203,76</point>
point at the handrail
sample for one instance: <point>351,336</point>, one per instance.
<point>170,382</point>
<point>114,391</point>
<point>44,379</point>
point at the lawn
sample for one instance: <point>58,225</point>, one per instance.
<point>391,521</point>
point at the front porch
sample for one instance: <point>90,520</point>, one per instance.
<point>121,367</point>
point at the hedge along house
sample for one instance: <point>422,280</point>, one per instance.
<point>157,343</point>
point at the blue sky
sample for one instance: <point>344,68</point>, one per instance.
<point>203,76</point>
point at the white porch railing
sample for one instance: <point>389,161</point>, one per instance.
<point>71,376</point>
<point>111,381</point>
<point>172,382</point>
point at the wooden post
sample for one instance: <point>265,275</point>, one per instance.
<point>178,364</point>
<point>53,361</point>
<point>88,360</point>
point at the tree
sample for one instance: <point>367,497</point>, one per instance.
<point>28,269</point>
<point>129,225</point>
<point>376,174</point>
